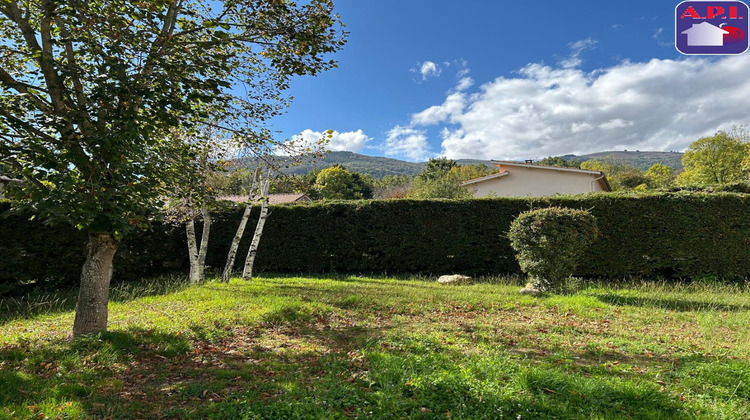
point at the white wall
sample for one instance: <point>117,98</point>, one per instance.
<point>536,182</point>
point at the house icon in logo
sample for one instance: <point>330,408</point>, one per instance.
<point>705,34</point>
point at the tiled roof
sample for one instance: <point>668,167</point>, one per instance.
<point>272,198</point>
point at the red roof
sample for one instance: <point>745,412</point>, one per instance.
<point>272,198</point>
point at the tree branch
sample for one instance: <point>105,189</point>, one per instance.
<point>83,105</point>
<point>167,29</point>
<point>7,80</point>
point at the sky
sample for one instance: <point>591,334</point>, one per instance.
<point>517,80</point>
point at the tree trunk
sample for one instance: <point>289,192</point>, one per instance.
<point>197,256</point>
<point>192,251</point>
<point>91,310</point>
<point>204,242</point>
<point>227,273</point>
<point>236,243</point>
<point>247,273</point>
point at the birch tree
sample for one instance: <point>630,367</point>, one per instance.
<point>197,255</point>
<point>89,90</point>
<point>247,272</point>
<point>229,267</point>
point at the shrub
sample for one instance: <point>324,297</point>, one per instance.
<point>550,242</point>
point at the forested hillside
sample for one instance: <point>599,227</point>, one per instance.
<point>378,167</point>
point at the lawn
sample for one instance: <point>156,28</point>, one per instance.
<point>372,347</point>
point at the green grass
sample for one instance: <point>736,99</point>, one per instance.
<point>368,347</point>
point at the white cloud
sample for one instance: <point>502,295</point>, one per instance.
<point>407,142</point>
<point>453,105</point>
<point>576,49</point>
<point>352,141</point>
<point>657,36</point>
<point>464,83</point>
<point>429,69</point>
<point>547,111</point>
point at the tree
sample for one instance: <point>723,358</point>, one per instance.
<point>247,272</point>
<point>467,172</point>
<point>560,161</point>
<point>442,178</point>
<point>90,89</point>
<point>436,168</point>
<point>659,175</point>
<point>392,186</point>
<point>443,187</point>
<point>336,183</point>
<point>713,160</point>
<point>229,266</point>
<point>194,196</point>
<point>621,176</point>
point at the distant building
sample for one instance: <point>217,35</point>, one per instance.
<point>272,198</point>
<point>517,179</point>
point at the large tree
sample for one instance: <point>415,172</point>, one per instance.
<point>90,89</point>
<point>714,160</point>
<point>337,183</point>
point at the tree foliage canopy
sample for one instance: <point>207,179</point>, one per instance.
<point>90,89</point>
<point>714,160</point>
<point>336,183</point>
<point>436,168</point>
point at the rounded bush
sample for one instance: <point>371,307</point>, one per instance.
<point>550,242</point>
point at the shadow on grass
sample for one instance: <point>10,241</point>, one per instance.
<point>298,369</point>
<point>48,303</point>
<point>679,305</point>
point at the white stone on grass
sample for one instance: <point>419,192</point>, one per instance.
<point>530,290</point>
<point>454,279</point>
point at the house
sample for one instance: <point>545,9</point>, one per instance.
<point>516,179</point>
<point>272,198</point>
<point>705,35</point>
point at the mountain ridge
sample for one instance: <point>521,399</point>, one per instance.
<point>378,167</point>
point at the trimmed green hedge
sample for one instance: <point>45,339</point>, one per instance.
<point>35,255</point>
<point>662,234</point>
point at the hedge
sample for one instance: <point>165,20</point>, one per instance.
<point>652,234</point>
<point>669,235</point>
<point>35,255</point>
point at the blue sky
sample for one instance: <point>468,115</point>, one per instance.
<point>515,80</point>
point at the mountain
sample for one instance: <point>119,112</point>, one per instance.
<point>639,159</point>
<point>378,167</point>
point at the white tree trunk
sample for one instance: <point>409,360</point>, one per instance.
<point>93,296</point>
<point>198,256</point>
<point>247,273</point>
<point>229,267</point>
<point>192,251</point>
<point>235,244</point>
<point>204,239</point>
